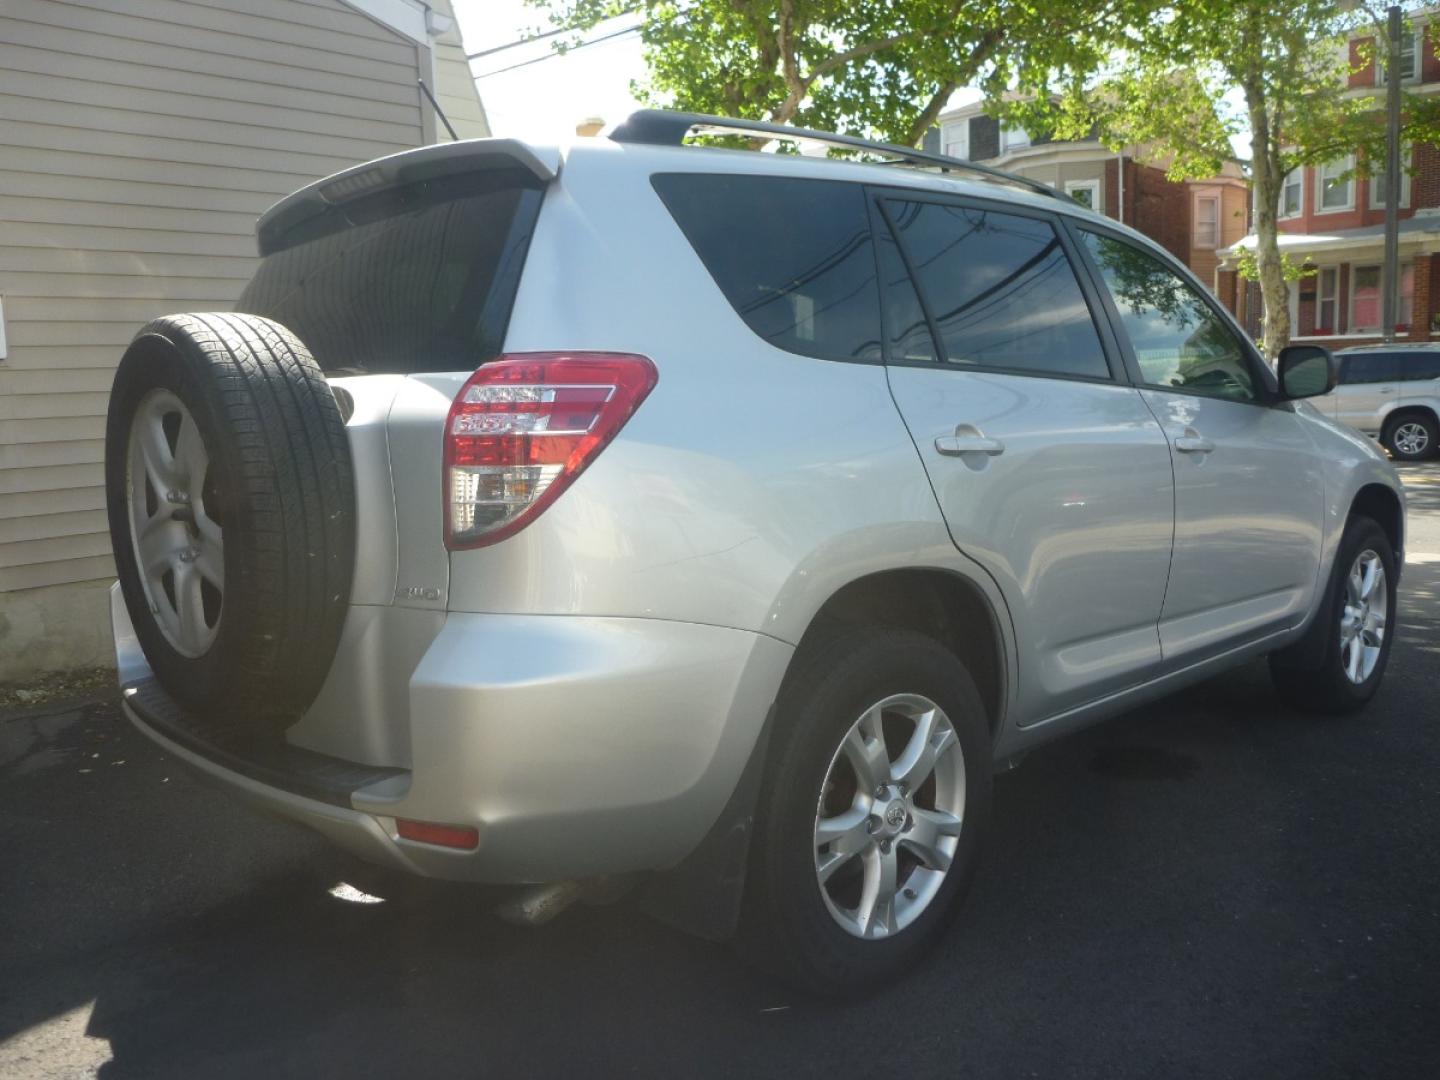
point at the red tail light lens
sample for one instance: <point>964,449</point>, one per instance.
<point>523,427</point>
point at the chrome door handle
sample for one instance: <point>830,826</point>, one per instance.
<point>958,444</point>
<point>1191,443</point>
<point>1386,390</point>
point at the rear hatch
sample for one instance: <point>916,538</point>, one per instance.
<point>399,277</point>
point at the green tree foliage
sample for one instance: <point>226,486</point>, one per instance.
<point>1186,78</point>
<point>879,67</point>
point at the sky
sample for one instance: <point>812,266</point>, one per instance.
<point>544,101</point>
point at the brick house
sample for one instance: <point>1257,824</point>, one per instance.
<point>1194,220</point>
<point>1333,222</point>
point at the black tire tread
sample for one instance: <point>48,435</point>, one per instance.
<point>292,501</point>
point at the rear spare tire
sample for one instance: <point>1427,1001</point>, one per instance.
<point>232,514</point>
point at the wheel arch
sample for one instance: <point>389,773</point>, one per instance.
<point>1402,409</point>
<point>939,603</point>
<point>1382,505</point>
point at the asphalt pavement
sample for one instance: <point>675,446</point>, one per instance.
<point>1209,886</point>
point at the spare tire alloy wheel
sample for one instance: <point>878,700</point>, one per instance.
<point>179,550</point>
<point>229,488</point>
<point>886,829</point>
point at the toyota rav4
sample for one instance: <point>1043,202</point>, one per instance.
<point>714,519</point>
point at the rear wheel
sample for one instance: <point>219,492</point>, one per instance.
<point>1338,667</point>
<point>1412,437</point>
<point>877,792</point>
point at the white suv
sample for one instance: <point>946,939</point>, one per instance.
<point>713,518</point>
<point>1390,392</point>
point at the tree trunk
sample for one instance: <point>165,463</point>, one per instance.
<point>1274,293</point>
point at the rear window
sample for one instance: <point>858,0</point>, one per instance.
<point>1420,365</point>
<point>1369,368</point>
<point>793,257</point>
<point>417,278</point>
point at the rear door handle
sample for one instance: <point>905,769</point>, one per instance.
<point>1387,390</point>
<point>967,440</point>
<point>1193,443</point>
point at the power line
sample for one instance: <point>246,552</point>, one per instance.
<point>540,36</point>
<point>515,44</point>
<point>567,52</point>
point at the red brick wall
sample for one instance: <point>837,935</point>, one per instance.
<point>1227,289</point>
<point>1362,75</point>
<point>1429,62</point>
<point>1427,293</point>
<point>1159,208</point>
<point>1425,181</point>
<point>1342,317</point>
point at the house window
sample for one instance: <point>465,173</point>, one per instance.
<point>1207,221</point>
<point>1366,314</point>
<point>956,139</point>
<point>1333,189</point>
<point>1327,290</point>
<point>1085,192</point>
<point>1407,57</point>
<point>1291,193</point>
<point>1013,138</point>
<point>1377,183</point>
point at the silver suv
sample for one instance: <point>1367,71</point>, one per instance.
<point>1392,393</point>
<point>713,520</point>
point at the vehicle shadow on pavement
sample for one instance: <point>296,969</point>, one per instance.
<point>1210,884</point>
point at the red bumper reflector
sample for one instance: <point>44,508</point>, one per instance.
<point>427,832</point>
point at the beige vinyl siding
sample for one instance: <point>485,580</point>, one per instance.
<point>139,141</point>
<point>455,84</point>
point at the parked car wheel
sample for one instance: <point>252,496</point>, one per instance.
<point>877,792</point>
<point>1338,667</point>
<point>231,506</point>
<point>1412,437</point>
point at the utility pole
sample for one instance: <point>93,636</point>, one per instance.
<point>1390,276</point>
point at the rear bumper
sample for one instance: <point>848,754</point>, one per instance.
<point>576,746</point>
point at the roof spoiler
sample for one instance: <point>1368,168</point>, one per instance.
<point>398,170</point>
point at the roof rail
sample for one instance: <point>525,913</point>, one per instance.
<point>661,127</point>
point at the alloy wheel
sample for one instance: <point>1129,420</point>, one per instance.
<point>889,816</point>
<point>178,545</point>
<point>1411,438</point>
<point>1363,616</point>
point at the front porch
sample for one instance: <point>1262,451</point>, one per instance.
<point>1339,303</point>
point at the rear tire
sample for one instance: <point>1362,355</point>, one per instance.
<point>1333,668</point>
<point>1412,437</point>
<point>806,931</point>
<point>226,454</point>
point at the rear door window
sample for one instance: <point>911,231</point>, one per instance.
<point>417,278</point>
<point>1369,368</point>
<point>1000,289</point>
<point>793,256</point>
<point>1415,367</point>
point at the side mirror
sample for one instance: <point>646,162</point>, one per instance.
<point>1306,371</point>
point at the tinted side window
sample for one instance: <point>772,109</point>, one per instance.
<point>1179,342</point>
<point>1000,288</point>
<point>793,256</point>
<point>1369,368</point>
<point>1417,366</point>
<point>910,337</point>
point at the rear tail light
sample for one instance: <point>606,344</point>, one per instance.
<point>523,427</point>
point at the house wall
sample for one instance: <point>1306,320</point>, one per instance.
<point>139,141</point>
